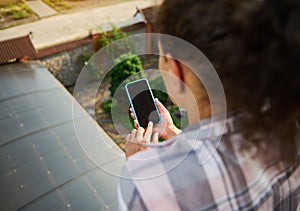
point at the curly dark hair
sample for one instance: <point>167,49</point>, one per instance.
<point>254,46</point>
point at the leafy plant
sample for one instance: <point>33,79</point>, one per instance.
<point>106,106</point>
<point>115,50</point>
<point>126,65</point>
<point>17,11</point>
<point>108,37</point>
<point>86,56</point>
<point>20,15</point>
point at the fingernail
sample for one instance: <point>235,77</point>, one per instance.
<point>150,123</point>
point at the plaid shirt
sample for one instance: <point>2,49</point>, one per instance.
<point>189,173</point>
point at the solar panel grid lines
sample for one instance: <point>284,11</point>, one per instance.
<point>42,165</point>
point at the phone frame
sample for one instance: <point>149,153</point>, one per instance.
<point>131,103</point>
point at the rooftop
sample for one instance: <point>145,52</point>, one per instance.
<point>42,163</point>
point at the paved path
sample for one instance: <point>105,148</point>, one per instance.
<point>65,27</point>
<point>40,8</point>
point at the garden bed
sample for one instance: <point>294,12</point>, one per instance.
<point>16,14</point>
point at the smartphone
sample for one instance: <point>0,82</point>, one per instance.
<point>142,102</point>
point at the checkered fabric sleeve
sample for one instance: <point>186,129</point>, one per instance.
<point>190,173</point>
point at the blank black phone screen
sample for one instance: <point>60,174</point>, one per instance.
<point>143,103</point>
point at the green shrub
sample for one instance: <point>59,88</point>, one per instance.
<point>106,38</point>
<point>126,65</point>
<point>20,15</point>
<point>110,36</point>
<point>106,106</point>
<point>86,56</point>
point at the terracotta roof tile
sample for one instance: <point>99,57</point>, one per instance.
<point>16,48</point>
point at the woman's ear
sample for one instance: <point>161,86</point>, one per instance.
<point>177,70</point>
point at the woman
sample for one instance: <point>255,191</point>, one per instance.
<point>255,48</point>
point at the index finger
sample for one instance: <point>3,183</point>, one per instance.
<point>132,115</point>
<point>159,105</point>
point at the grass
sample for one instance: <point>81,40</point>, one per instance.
<point>50,4</point>
<point>57,4</point>
<point>16,11</point>
<point>61,5</point>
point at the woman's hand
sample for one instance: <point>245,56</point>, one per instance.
<point>138,137</point>
<point>166,128</point>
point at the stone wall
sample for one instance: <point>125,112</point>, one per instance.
<point>66,66</point>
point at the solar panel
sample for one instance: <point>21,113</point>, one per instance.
<point>42,165</point>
